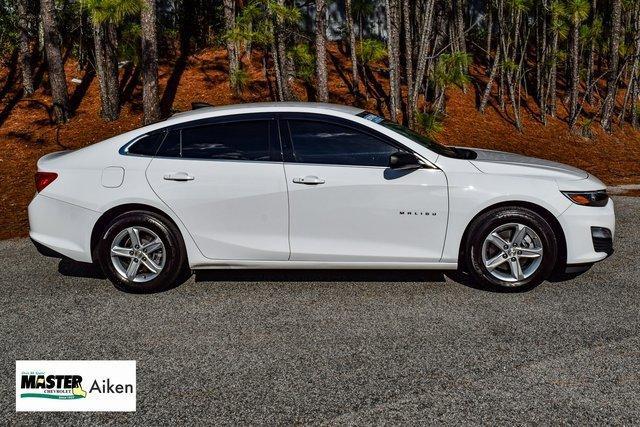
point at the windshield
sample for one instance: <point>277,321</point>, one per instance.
<point>415,136</point>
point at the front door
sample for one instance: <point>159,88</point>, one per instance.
<point>225,184</point>
<point>346,205</point>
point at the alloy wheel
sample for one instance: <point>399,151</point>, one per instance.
<point>138,254</point>
<point>512,252</point>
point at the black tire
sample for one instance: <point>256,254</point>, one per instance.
<point>489,221</point>
<point>175,264</point>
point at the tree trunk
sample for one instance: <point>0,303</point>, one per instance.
<point>408,42</point>
<point>612,74</point>
<point>277,70</point>
<point>635,79</point>
<point>542,61</point>
<point>421,65</point>
<point>352,47</point>
<point>631,96</point>
<point>552,75</point>
<point>285,77</point>
<point>286,68</point>
<point>149,61</point>
<point>24,25</point>
<point>321,51</point>
<point>591,59</point>
<point>458,9</point>
<point>57,77</point>
<point>574,80</point>
<point>489,17</point>
<point>510,75</point>
<point>232,52</point>
<point>492,77</point>
<point>107,69</point>
<point>393,46</point>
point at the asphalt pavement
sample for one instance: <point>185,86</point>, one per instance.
<point>337,347</point>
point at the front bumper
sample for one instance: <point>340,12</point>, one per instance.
<point>61,227</point>
<point>579,223</point>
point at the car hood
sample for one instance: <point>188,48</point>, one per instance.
<point>502,163</point>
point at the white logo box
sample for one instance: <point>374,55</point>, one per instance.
<point>76,385</point>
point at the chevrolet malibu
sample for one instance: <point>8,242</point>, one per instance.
<point>303,185</point>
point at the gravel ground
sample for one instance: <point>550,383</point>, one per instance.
<point>336,347</point>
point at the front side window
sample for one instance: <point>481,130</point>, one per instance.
<point>329,143</point>
<point>245,140</point>
<point>415,137</point>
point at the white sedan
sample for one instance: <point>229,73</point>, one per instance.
<point>304,185</point>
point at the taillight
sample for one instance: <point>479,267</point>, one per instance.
<point>43,179</point>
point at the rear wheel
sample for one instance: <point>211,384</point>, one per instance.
<point>511,249</point>
<point>142,252</point>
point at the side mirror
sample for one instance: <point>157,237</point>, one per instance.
<point>404,161</point>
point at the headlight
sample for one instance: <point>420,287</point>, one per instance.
<point>588,198</point>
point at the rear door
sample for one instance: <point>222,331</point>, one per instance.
<point>347,205</point>
<point>224,179</point>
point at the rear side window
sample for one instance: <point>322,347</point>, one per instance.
<point>329,143</point>
<point>246,140</point>
<point>147,145</point>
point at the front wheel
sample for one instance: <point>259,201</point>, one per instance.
<point>511,249</point>
<point>142,252</point>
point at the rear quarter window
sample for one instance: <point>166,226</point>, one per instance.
<point>147,145</point>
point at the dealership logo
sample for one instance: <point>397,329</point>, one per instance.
<point>52,386</point>
<point>81,385</point>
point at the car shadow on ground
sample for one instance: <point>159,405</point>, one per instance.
<point>70,268</point>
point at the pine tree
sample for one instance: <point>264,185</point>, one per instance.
<point>393,46</point>
<point>321,51</point>
<point>150,97</point>
<point>232,51</point>
<point>423,38</point>
<point>55,66</point>
<point>352,46</point>
<point>105,16</point>
<point>612,74</point>
<point>578,11</point>
<point>265,23</point>
<point>24,27</point>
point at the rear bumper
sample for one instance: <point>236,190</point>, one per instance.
<point>579,223</point>
<point>46,251</point>
<point>61,229</point>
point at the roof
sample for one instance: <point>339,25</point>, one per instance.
<point>268,106</point>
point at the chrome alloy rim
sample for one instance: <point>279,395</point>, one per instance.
<point>138,254</point>
<point>512,252</point>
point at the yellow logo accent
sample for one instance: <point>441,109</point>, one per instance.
<point>78,391</point>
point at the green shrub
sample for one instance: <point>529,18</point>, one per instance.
<point>239,80</point>
<point>429,123</point>
<point>304,61</point>
<point>371,50</point>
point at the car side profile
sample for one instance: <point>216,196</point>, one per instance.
<point>306,185</point>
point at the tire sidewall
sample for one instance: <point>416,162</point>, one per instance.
<point>175,253</point>
<point>486,223</point>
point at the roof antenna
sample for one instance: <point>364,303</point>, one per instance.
<point>198,105</point>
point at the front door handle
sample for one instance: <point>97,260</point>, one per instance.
<point>178,176</point>
<point>308,180</point>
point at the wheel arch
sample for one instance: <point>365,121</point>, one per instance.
<point>104,220</point>
<point>540,210</point>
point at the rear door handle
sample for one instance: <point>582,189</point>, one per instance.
<point>178,176</point>
<point>308,180</point>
